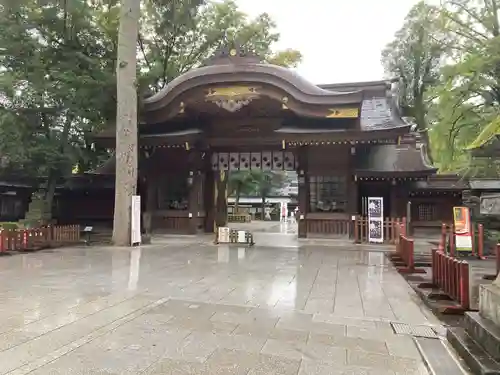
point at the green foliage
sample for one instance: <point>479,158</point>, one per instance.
<point>58,83</point>
<point>490,131</point>
<point>7,225</point>
<point>255,182</point>
<point>448,57</point>
<point>241,182</point>
<point>469,92</point>
<point>415,57</point>
<point>182,35</point>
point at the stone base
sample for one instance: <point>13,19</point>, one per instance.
<point>489,303</point>
<point>478,343</point>
<point>474,356</point>
<point>485,332</point>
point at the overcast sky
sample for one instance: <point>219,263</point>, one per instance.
<point>341,40</point>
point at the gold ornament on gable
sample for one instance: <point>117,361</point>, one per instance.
<point>284,101</point>
<point>232,98</point>
<point>343,113</point>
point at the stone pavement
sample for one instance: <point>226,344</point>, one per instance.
<point>196,308</point>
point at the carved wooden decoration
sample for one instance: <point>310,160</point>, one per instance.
<point>232,99</point>
<point>343,113</point>
<point>284,101</point>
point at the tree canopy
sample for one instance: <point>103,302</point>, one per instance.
<point>448,59</point>
<point>58,76</point>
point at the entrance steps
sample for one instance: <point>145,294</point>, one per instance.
<point>478,343</point>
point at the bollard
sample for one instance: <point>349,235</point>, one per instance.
<point>2,242</point>
<point>472,232</point>
<point>433,266</point>
<point>464,285</point>
<point>497,263</point>
<point>452,241</point>
<point>498,258</point>
<point>480,241</point>
<point>442,239</point>
<point>356,231</point>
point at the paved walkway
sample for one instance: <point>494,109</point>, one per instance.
<point>194,308</point>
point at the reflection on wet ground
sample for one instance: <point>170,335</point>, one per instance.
<point>195,308</point>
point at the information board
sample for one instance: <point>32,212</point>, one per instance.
<point>223,235</point>
<point>375,219</point>
<point>463,237</point>
<point>135,230</point>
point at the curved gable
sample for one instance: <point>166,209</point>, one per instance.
<point>234,67</point>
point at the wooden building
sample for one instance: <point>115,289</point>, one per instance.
<point>346,142</point>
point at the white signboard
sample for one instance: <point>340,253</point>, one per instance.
<point>223,234</point>
<point>135,230</point>
<point>242,236</point>
<point>375,220</point>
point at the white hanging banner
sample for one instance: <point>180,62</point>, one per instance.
<point>375,219</point>
<point>135,230</point>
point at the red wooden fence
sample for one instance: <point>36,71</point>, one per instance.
<point>390,229</point>
<point>404,257</point>
<point>38,238</point>
<point>452,277</point>
<point>333,227</point>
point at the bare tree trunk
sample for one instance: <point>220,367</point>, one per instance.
<point>237,200</point>
<point>263,207</point>
<point>126,121</point>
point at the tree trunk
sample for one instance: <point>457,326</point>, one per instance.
<point>50,191</point>
<point>126,121</point>
<point>263,208</point>
<point>55,172</point>
<point>422,126</point>
<point>237,200</point>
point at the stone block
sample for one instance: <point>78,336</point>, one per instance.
<point>489,302</point>
<point>485,332</point>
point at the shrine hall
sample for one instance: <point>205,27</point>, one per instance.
<point>346,142</point>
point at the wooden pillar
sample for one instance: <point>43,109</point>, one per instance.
<point>352,182</point>
<point>394,199</point>
<point>221,199</point>
<point>209,195</point>
<point>353,192</point>
<point>151,201</point>
<point>194,183</point>
<point>303,198</point>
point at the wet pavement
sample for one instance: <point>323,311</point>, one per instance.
<point>185,306</point>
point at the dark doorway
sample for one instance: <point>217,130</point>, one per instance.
<point>373,189</point>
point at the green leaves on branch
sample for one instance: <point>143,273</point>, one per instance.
<point>448,60</point>
<point>178,36</point>
<point>58,83</point>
